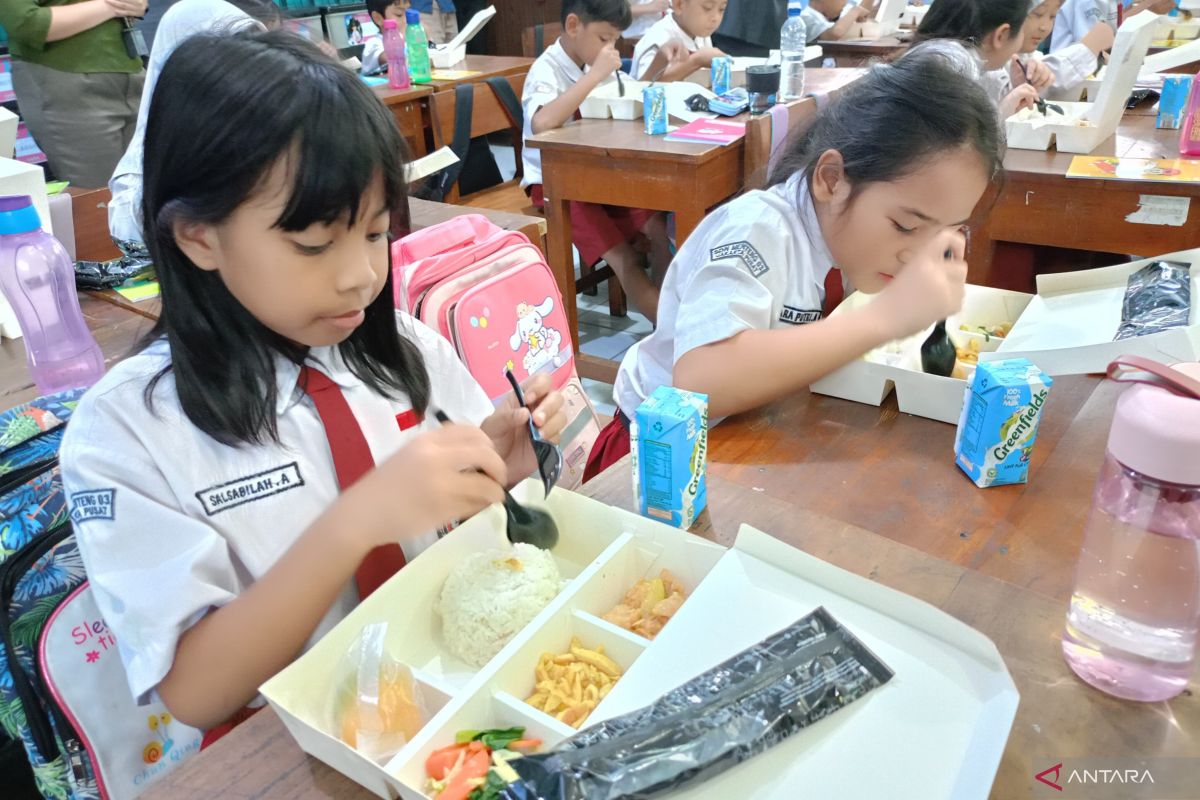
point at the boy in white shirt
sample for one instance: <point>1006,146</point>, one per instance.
<point>691,24</point>
<point>1079,17</point>
<point>584,58</point>
<point>374,60</point>
<point>833,19</point>
<point>645,14</point>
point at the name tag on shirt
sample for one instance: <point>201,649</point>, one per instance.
<point>249,489</point>
<point>95,504</point>
<point>799,316</point>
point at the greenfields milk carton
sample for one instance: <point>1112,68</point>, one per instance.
<point>668,445</point>
<point>999,421</point>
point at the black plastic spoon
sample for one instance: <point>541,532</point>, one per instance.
<point>525,525</point>
<point>938,353</point>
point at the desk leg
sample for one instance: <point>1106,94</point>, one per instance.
<point>562,260</point>
<point>686,220</point>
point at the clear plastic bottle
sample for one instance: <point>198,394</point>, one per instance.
<point>393,49</point>
<point>38,279</point>
<point>418,48</point>
<point>1134,617</point>
<point>792,41</point>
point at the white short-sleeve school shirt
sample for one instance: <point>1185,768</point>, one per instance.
<point>550,75</point>
<point>756,263</point>
<point>181,21</point>
<point>661,32</point>
<point>173,524</point>
<point>816,24</point>
<point>640,24</point>
<point>1077,17</point>
<point>372,50</point>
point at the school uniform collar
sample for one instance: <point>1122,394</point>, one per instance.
<point>556,53</point>
<point>287,375</point>
<point>673,27</point>
<point>797,193</point>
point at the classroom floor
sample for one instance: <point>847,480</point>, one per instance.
<point>600,334</point>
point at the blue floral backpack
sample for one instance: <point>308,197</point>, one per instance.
<point>62,684</point>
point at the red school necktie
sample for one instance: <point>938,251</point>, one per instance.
<point>834,291</point>
<point>351,460</point>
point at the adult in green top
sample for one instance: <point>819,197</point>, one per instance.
<point>77,88</point>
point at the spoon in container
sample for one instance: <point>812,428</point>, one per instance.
<point>937,352</point>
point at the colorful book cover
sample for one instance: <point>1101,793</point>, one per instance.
<point>709,131</point>
<point>1170,170</point>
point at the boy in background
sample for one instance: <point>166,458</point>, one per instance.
<point>584,58</point>
<point>679,43</point>
<point>374,60</point>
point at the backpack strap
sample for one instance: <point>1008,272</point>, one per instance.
<point>508,99</point>
<point>539,39</point>
<point>460,143</point>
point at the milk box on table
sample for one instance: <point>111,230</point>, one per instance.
<point>668,446</point>
<point>999,421</point>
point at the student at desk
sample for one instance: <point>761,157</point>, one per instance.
<point>980,37</point>
<point>691,24</point>
<point>881,184</point>
<point>1078,18</point>
<point>374,60</point>
<point>1062,72</point>
<point>833,19</point>
<point>582,59</point>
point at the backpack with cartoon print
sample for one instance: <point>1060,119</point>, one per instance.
<point>63,691</point>
<point>492,294</point>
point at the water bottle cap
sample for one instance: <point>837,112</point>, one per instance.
<point>390,25</point>
<point>413,16</point>
<point>795,7</point>
<point>17,214</point>
<point>1156,431</point>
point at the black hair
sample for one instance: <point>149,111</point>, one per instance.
<point>379,7</point>
<point>615,12</point>
<point>971,20</point>
<point>225,111</point>
<point>895,118</point>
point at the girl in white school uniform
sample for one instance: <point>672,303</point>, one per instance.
<point>233,483</point>
<point>982,37</point>
<point>1060,74</point>
<point>679,43</point>
<point>881,186</point>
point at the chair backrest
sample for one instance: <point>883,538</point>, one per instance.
<point>763,136</point>
<point>535,39</point>
<point>488,115</point>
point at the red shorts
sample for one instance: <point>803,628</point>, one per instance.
<point>611,446</point>
<point>596,229</point>
<point>213,734</point>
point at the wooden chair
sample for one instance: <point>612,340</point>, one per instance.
<point>535,39</point>
<point>760,135</point>
<point>488,115</point>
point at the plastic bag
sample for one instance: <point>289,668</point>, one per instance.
<point>727,715</point>
<point>95,275</point>
<point>380,706</point>
<point>1157,297</point>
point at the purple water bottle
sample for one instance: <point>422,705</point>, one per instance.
<point>397,61</point>
<point>1135,613</point>
<point>38,279</point>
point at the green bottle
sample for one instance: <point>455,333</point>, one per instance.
<point>418,48</point>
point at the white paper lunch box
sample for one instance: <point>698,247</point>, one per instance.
<point>1067,328</point>
<point>606,101</point>
<point>737,597</point>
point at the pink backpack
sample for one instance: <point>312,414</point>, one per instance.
<point>491,293</point>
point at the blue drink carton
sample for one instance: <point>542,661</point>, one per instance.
<point>722,75</point>
<point>654,110</point>
<point>1172,101</point>
<point>999,421</point>
<point>668,445</point>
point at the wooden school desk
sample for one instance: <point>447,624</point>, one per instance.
<point>615,162</point>
<point>874,492</point>
<point>1039,205</point>
<point>410,106</point>
<point>861,52</point>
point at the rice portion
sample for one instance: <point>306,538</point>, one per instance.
<point>492,595</point>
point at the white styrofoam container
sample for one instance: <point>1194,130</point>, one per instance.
<point>1176,28</point>
<point>737,597</point>
<point>913,15</point>
<point>8,132</point>
<point>1067,328</point>
<point>444,56</point>
<point>1083,126</point>
<point>606,101</point>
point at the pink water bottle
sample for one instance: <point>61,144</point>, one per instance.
<point>38,279</point>
<point>1135,612</point>
<point>397,61</point>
